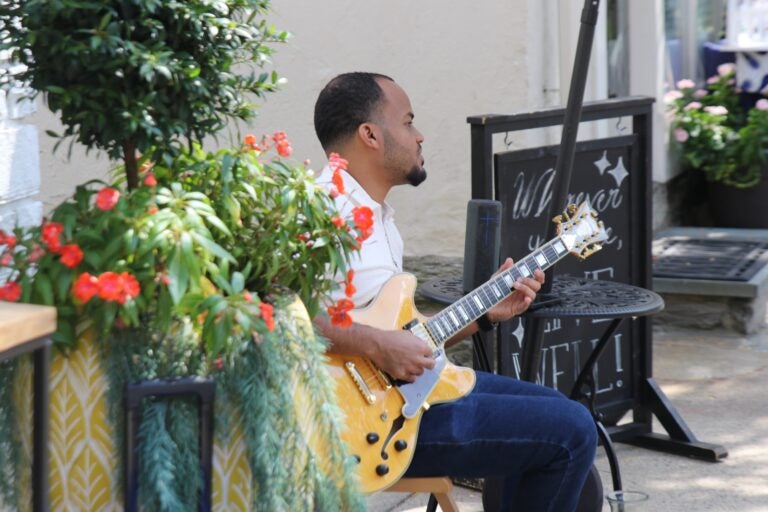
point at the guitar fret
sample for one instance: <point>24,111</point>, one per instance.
<point>496,290</point>
<point>550,253</point>
<point>464,314</point>
<point>453,317</point>
<point>541,260</point>
<point>559,247</point>
<point>508,279</point>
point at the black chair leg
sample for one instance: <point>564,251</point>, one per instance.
<point>432,503</point>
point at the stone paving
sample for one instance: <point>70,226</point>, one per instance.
<point>718,381</point>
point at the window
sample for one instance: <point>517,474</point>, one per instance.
<point>691,25</point>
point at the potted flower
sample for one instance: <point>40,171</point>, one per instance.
<point>189,263</point>
<point>725,142</point>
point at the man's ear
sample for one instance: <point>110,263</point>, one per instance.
<point>369,135</point>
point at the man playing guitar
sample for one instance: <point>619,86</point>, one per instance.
<point>533,438</point>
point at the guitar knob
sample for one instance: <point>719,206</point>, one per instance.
<point>425,406</point>
<point>382,469</point>
<point>400,445</point>
<point>372,438</point>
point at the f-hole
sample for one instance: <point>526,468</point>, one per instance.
<point>396,426</point>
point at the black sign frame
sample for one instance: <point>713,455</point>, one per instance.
<point>643,395</point>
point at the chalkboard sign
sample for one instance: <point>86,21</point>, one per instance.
<point>615,174</point>
<point>602,174</point>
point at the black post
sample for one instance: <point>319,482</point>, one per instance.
<point>534,328</point>
<point>572,117</point>
<point>42,358</point>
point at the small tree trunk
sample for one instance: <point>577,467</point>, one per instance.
<point>131,164</point>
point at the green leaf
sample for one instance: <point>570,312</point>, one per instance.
<point>44,288</point>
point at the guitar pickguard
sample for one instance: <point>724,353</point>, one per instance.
<point>415,393</point>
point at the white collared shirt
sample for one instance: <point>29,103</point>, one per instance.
<point>381,255</point>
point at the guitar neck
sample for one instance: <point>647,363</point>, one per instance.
<point>445,324</point>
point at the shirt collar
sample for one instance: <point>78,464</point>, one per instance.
<point>357,193</point>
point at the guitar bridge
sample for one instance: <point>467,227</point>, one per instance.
<point>360,382</point>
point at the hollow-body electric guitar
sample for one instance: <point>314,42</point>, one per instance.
<point>382,414</point>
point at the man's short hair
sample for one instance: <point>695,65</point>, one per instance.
<point>345,103</point>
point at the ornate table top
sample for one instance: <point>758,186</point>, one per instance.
<point>570,296</point>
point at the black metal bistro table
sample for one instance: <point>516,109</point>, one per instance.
<point>572,297</point>
<point>26,329</point>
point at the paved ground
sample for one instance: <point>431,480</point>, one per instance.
<point>718,381</point>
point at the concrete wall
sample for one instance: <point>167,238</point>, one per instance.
<point>454,59</point>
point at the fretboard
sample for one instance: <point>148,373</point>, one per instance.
<point>444,325</point>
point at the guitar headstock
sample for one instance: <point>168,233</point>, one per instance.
<point>580,230</point>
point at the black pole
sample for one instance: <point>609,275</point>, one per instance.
<point>572,117</point>
<point>534,329</point>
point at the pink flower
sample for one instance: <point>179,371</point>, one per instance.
<point>686,83</point>
<point>671,96</point>
<point>700,93</point>
<point>681,135</point>
<point>694,105</point>
<point>716,110</point>
<point>762,104</point>
<point>726,69</point>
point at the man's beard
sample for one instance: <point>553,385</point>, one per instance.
<point>416,176</point>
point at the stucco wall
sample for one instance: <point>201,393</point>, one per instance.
<point>454,59</point>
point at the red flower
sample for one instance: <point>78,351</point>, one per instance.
<point>71,255</point>
<point>281,144</point>
<point>51,234</point>
<point>250,140</point>
<point>349,288</point>
<point>131,286</point>
<point>8,240</point>
<point>284,149</point>
<point>336,163</point>
<point>36,253</point>
<point>107,198</point>
<point>111,287</point>
<point>338,221</point>
<point>364,234</point>
<point>268,314</point>
<point>150,180</point>
<point>247,297</point>
<point>85,287</point>
<point>218,363</point>
<point>338,181</point>
<point>153,210</point>
<point>10,292</point>
<point>363,217</point>
<point>339,312</point>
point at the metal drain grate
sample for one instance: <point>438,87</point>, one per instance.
<point>698,258</point>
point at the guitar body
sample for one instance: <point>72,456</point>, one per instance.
<point>382,418</point>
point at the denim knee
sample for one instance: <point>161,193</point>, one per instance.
<point>583,430</point>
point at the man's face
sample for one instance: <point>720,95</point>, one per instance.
<point>402,141</point>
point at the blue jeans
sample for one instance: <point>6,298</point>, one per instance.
<point>538,441</point>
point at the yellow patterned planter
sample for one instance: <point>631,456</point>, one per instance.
<point>83,458</point>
